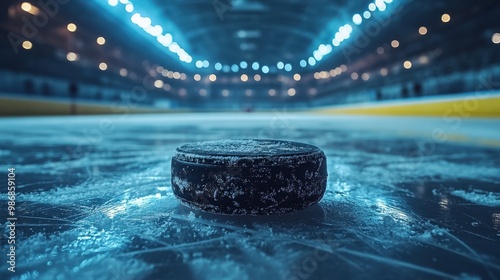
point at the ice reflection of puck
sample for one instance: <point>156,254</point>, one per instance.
<point>249,177</point>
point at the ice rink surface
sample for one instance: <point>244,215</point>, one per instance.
<point>406,198</point>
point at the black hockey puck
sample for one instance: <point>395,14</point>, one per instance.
<point>249,177</point>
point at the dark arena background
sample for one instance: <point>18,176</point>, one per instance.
<point>402,96</point>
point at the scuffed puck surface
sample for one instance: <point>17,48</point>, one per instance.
<point>249,177</point>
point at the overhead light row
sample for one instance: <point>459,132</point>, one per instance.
<point>157,31</point>
<point>166,40</point>
<point>344,33</point>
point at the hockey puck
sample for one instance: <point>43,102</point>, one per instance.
<point>249,177</point>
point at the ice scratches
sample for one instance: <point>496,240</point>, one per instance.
<point>367,167</point>
<point>92,268</point>
<point>437,238</point>
<point>443,239</point>
<point>475,234</point>
<point>400,226</point>
<point>373,243</point>
<point>129,185</point>
<point>215,224</point>
<point>70,225</point>
<point>261,232</point>
<point>251,264</point>
<point>123,221</point>
<point>220,269</point>
<point>176,247</point>
<point>404,225</point>
<point>39,183</point>
<point>83,249</point>
<point>66,160</point>
<point>396,263</point>
<point>314,245</point>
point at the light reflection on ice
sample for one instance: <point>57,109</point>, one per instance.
<point>443,202</point>
<point>125,205</point>
<point>392,211</point>
<point>111,213</point>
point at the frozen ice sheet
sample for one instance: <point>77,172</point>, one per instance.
<point>94,201</point>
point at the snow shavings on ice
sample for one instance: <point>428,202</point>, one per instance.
<point>110,213</point>
<point>478,197</point>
